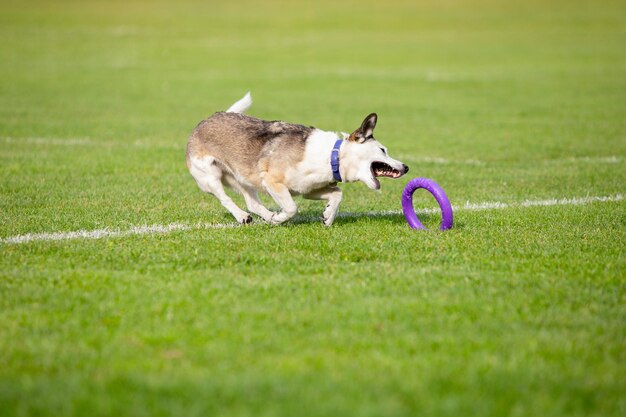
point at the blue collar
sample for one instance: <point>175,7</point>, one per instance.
<point>334,160</point>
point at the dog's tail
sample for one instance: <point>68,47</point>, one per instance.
<point>242,105</point>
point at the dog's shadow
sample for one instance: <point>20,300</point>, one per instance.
<point>430,220</point>
<point>308,217</point>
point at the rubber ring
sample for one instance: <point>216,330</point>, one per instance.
<point>441,197</point>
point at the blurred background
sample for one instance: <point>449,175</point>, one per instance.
<point>119,70</point>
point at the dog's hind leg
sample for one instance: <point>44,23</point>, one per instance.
<point>256,206</point>
<point>208,174</point>
<point>250,195</point>
<point>332,194</point>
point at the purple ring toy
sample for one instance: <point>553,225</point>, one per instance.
<point>441,197</point>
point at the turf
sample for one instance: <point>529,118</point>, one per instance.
<point>518,311</point>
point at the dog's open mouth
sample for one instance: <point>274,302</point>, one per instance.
<point>381,169</point>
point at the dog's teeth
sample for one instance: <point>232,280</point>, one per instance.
<point>386,171</point>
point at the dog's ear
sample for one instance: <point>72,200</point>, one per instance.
<point>368,125</point>
<point>366,131</point>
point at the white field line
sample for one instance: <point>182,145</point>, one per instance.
<point>104,233</point>
<point>437,160</point>
<point>88,142</point>
<point>612,159</point>
<point>172,227</point>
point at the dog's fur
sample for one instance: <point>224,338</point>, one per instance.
<point>283,159</point>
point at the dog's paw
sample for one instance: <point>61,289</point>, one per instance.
<point>280,218</point>
<point>329,215</point>
<point>276,220</point>
<point>246,220</point>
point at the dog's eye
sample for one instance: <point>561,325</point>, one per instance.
<point>384,151</point>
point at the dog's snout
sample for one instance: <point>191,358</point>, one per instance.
<point>406,168</point>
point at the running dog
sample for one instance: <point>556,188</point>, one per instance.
<point>283,159</point>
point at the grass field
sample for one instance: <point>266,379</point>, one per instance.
<point>519,310</point>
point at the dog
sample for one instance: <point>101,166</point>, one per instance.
<point>251,155</point>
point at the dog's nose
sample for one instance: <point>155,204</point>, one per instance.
<point>406,168</point>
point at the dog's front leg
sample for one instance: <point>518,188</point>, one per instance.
<point>280,193</point>
<point>332,194</point>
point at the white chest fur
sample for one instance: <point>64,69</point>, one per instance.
<point>313,171</point>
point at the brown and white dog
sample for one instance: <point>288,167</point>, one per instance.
<point>283,159</point>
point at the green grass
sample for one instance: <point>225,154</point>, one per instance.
<point>519,311</point>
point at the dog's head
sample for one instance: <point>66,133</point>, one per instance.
<point>366,159</point>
